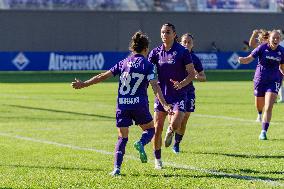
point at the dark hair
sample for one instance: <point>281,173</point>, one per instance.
<point>139,42</point>
<point>173,28</point>
<point>170,25</point>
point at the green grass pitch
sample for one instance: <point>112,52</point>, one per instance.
<point>52,136</point>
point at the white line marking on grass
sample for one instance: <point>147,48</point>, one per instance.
<point>228,175</point>
<point>220,124</point>
<point>171,164</point>
<point>56,143</point>
<point>229,118</point>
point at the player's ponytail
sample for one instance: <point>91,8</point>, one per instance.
<point>139,42</point>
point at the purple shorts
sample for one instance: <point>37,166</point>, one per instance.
<point>260,88</point>
<point>190,104</point>
<point>178,105</point>
<point>125,118</point>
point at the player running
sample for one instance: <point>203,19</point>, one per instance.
<point>267,78</point>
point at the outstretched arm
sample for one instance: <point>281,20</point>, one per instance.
<point>246,60</point>
<point>78,84</point>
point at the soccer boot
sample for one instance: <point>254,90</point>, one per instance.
<point>168,137</point>
<point>258,119</point>
<point>262,136</point>
<point>140,148</point>
<point>158,164</point>
<point>115,172</point>
<point>176,149</point>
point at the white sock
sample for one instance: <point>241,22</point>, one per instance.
<point>281,93</point>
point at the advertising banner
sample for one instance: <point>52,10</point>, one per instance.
<point>63,61</point>
<point>59,61</point>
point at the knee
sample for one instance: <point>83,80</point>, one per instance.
<point>175,126</point>
<point>186,116</point>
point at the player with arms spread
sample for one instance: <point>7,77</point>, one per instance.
<point>267,78</point>
<point>135,74</point>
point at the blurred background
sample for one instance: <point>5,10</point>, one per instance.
<point>77,34</point>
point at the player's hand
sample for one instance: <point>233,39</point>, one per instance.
<point>77,84</point>
<point>177,85</point>
<point>169,109</point>
<point>240,60</point>
<point>196,76</point>
<point>256,31</point>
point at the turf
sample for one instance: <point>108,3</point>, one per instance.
<point>53,136</point>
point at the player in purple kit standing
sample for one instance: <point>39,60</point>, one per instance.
<point>187,41</point>
<point>175,71</point>
<point>267,78</point>
<point>135,74</point>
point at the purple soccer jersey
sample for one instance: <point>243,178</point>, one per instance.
<point>267,77</point>
<point>171,65</point>
<point>190,104</point>
<point>132,102</point>
<point>134,72</point>
<point>198,67</point>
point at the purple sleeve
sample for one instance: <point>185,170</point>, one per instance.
<point>255,53</point>
<point>152,58</point>
<point>197,63</point>
<point>187,57</point>
<point>115,70</point>
<point>282,56</point>
<point>282,59</point>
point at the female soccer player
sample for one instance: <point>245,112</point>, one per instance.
<point>267,78</point>
<point>187,42</point>
<point>257,38</point>
<point>281,91</point>
<point>135,74</point>
<point>175,71</point>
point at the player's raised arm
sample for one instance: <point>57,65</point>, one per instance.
<point>253,43</point>
<point>78,84</point>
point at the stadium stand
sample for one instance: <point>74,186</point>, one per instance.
<point>148,5</point>
<point>68,4</point>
